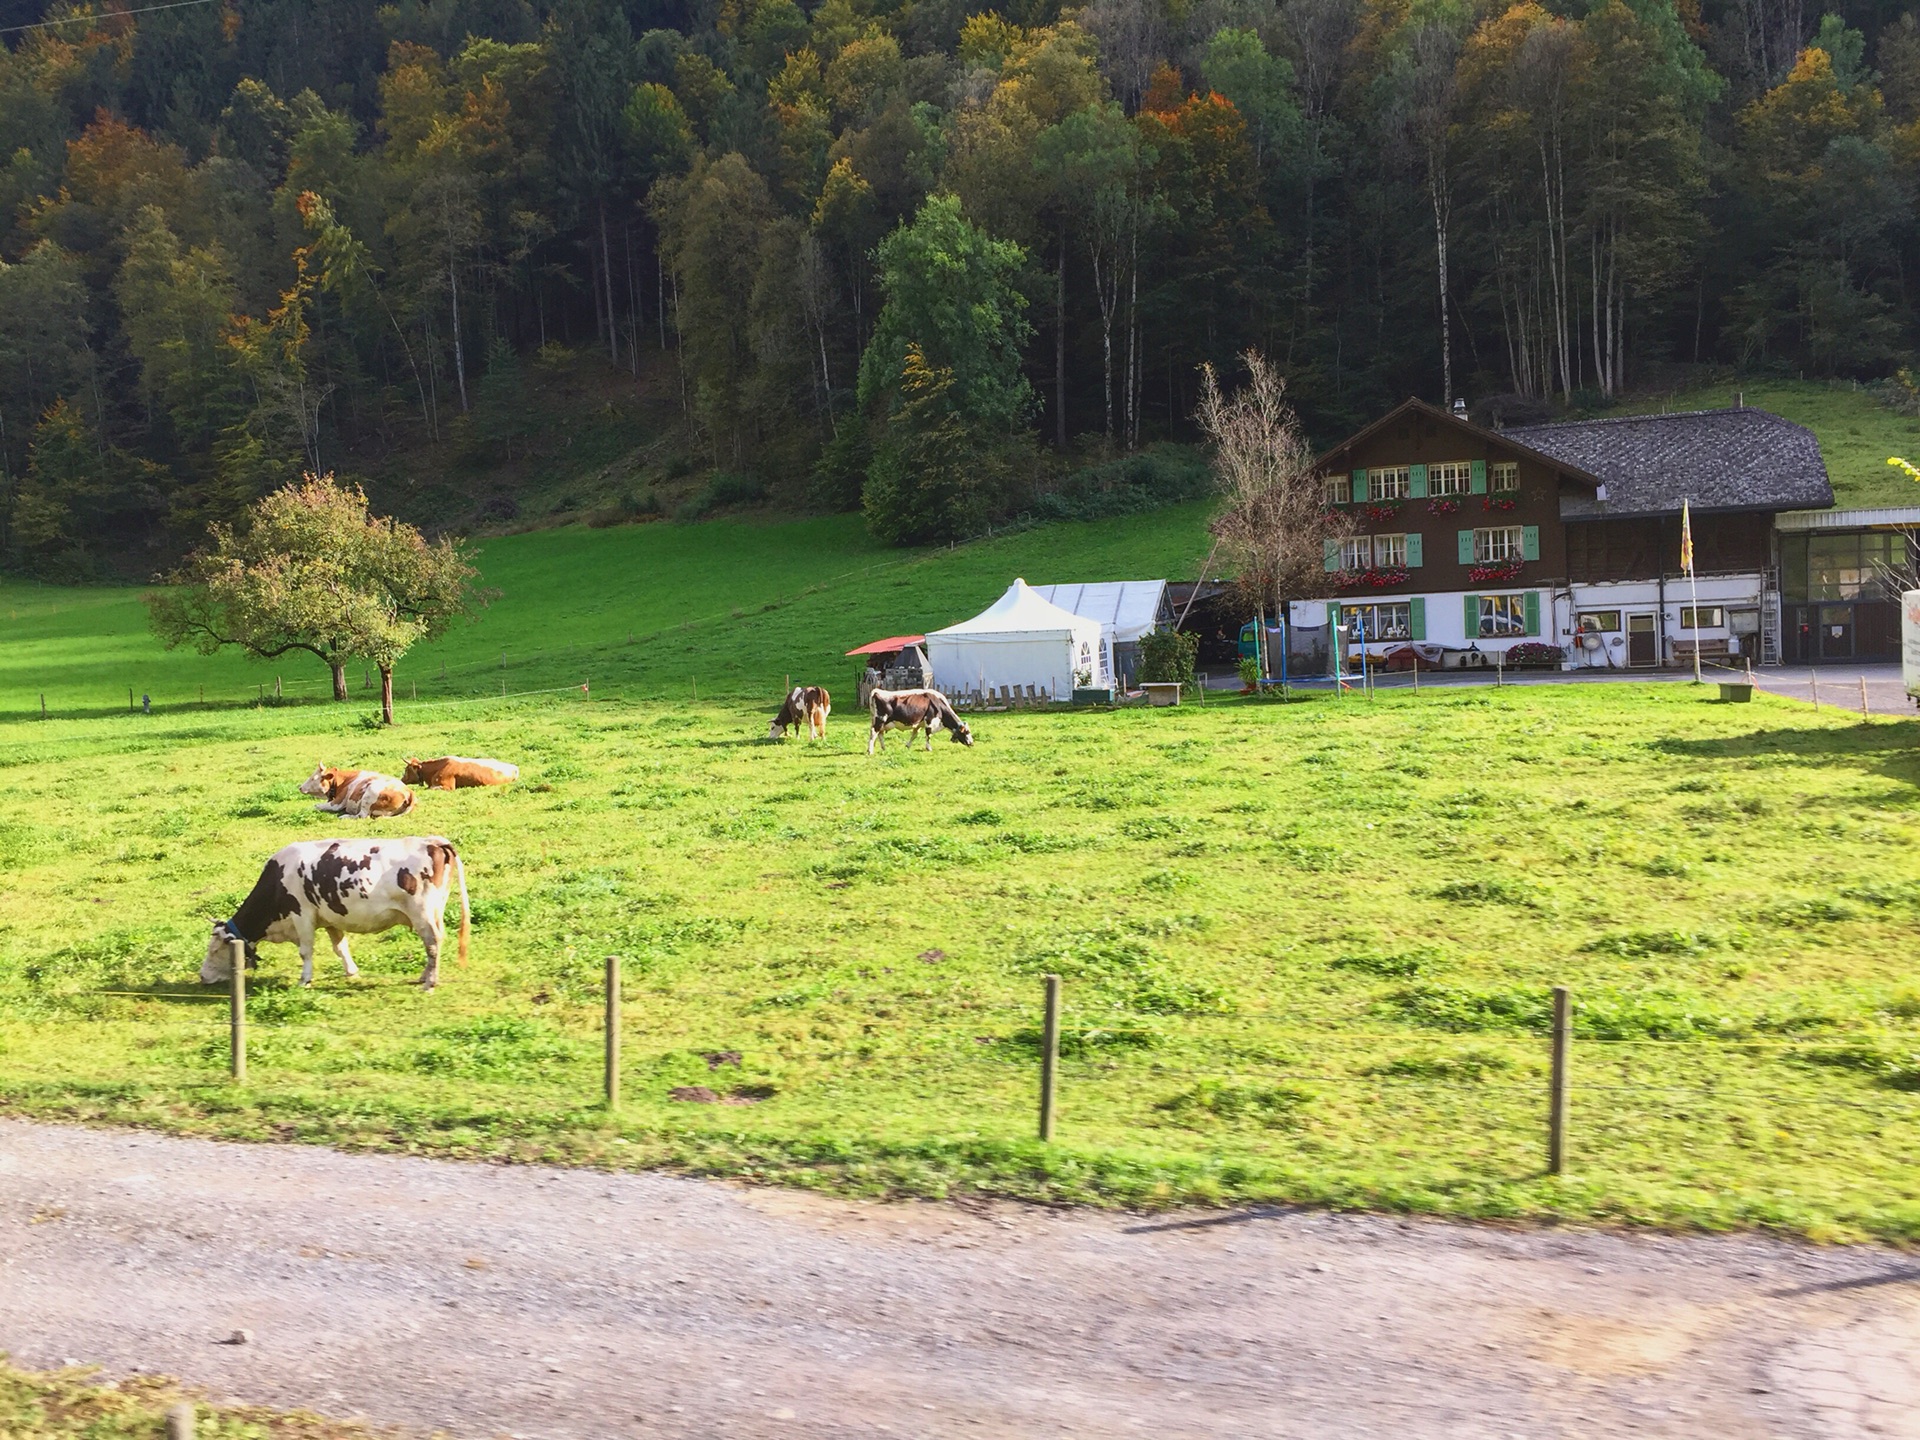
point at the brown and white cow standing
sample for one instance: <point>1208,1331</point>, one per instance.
<point>458,772</point>
<point>807,705</point>
<point>910,710</point>
<point>362,794</point>
<point>346,887</point>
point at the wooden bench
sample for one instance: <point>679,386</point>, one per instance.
<point>1709,650</point>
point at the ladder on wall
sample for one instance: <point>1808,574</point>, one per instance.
<point>1770,633</point>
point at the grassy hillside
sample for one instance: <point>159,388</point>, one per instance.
<point>734,604</point>
<point>1856,432</point>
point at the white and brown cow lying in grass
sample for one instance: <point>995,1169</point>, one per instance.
<point>345,887</point>
<point>910,710</point>
<point>807,705</point>
<point>362,794</point>
<point>457,772</point>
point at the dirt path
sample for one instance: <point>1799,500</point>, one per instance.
<point>534,1302</point>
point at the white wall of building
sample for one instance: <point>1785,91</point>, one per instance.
<point>1446,623</point>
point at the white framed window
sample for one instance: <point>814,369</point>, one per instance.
<point>1503,476</point>
<point>1453,477</point>
<point>1392,621</point>
<point>1707,617</point>
<point>1498,545</point>
<point>1339,489</point>
<point>1356,552</point>
<point>1503,615</point>
<point>1395,482</point>
<point>1390,552</point>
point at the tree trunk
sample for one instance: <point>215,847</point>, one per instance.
<point>606,269</point>
<point>386,695</point>
<point>339,679</point>
<point>1435,186</point>
<point>459,347</point>
<point>1060,346</point>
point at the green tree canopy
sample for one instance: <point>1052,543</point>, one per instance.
<point>313,569</point>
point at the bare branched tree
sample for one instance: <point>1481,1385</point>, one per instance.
<point>1276,522</point>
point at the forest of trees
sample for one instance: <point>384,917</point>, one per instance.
<point>890,251</point>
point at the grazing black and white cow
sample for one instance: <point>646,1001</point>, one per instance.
<point>345,887</point>
<point>911,710</point>
<point>807,705</point>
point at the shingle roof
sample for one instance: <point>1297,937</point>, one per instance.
<point>1716,459</point>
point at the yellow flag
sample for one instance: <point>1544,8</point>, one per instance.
<point>1686,538</point>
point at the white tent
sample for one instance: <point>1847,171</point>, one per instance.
<point>1126,609</point>
<point>1021,639</point>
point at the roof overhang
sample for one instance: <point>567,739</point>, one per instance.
<point>1434,412</point>
<point>888,645</point>
<point>1892,517</point>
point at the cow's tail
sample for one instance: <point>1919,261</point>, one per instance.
<point>466,911</point>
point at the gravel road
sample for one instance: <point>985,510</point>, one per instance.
<point>485,1300</point>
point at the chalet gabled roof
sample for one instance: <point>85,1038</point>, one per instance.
<point>1714,459</point>
<point>1504,439</point>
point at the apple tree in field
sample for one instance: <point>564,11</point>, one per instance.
<point>310,568</point>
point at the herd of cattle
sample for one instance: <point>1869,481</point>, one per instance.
<point>365,887</point>
<point>908,710</point>
<point>358,887</point>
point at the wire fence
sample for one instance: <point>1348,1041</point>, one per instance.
<point>1638,1084</point>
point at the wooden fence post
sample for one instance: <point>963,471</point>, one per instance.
<point>237,1014</point>
<point>1813,686</point>
<point>180,1421</point>
<point>1049,1056</point>
<point>1864,711</point>
<point>1557,1103</point>
<point>613,1032</point>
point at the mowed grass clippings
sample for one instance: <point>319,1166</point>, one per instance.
<point>1307,949</point>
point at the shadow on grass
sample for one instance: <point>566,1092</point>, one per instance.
<point>173,992</point>
<point>1894,749</point>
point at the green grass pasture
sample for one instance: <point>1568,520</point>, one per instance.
<point>1306,948</point>
<point>36,1405</point>
<point>733,605</point>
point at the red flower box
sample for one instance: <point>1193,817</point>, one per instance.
<point>1442,506</point>
<point>1509,570</point>
<point>1498,502</point>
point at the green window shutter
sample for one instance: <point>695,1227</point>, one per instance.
<point>1466,547</point>
<point>1529,542</point>
<point>1479,480</point>
<point>1414,557</point>
<point>1359,486</point>
<point>1417,481</point>
<point>1473,617</point>
<point>1417,617</point>
<point>1533,612</point>
<point>1330,554</point>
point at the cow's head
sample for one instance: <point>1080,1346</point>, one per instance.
<point>321,782</point>
<point>410,773</point>
<point>218,966</point>
<point>961,734</point>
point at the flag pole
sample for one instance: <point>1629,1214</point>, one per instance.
<point>1693,584</point>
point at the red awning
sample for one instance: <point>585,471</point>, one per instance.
<point>891,643</point>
